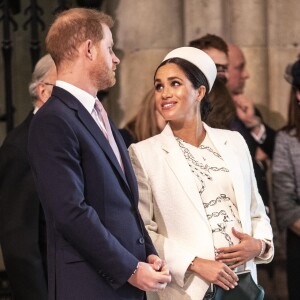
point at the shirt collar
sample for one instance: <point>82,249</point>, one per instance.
<point>35,109</point>
<point>86,99</point>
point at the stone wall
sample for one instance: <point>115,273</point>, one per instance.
<point>267,31</point>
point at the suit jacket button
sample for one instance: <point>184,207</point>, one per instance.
<point>141,241</point>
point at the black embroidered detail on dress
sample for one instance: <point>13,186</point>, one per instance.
<point>187,154</point>
<point>232,210</point>
<point>201,180</point>
<point>203,147</point>
<point>221,229</point>
<point>216,214</point>
<point>235,217</point>
<point>198,171</point>
<point>222,197</point>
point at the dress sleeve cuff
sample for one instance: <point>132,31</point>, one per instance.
<point>267,256</point>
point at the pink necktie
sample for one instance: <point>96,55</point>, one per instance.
<point>108,134</point>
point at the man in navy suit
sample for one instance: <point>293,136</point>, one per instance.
<point>98,247</point>
<point>22,222</point>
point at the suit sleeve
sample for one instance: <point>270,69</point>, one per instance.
<point>175,253</point>
<point>260,222</point>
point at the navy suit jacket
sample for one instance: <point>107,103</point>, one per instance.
<point>95,233</point>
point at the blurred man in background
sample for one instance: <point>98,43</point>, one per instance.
<point>22,225</point>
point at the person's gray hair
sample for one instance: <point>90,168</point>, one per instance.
<point>41,68</point>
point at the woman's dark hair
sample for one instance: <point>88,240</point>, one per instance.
<point>196,77</point>
<point>293,124</point>
<point>223,109</point>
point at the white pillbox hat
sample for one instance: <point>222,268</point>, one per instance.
<point>198,58</point>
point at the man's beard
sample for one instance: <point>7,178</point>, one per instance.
<point>102,78</point>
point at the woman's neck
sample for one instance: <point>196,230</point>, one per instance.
<point>193,134</point>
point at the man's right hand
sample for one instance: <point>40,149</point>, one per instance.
<point>147,279</point>
<point>245,110</point>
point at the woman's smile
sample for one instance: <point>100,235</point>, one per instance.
<point>166,105</point>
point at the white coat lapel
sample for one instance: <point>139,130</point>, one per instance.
<point>180,168</point>
<point>223,143</point>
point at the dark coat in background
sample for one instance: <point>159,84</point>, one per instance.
<point>22,226</point>
<point>260,168</point>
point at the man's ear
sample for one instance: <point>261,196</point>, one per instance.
<point>88,49</point>
<point>43,92</point>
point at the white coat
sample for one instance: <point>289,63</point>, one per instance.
<point>173,212</point>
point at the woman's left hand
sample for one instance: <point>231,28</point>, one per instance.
<point>237,255</point>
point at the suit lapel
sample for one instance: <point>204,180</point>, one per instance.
<point>181,170</point>
<point>129,173</point>
<point>228,152</point>
<point>87,120</point>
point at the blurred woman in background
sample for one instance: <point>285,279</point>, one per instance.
<point>286,181</point>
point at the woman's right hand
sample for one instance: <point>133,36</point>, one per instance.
<point>214,272</point>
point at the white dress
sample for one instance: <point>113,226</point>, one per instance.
<point>215,190</point>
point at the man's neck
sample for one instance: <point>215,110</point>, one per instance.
<point>77,76</point>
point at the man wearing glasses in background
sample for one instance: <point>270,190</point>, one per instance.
<point>217,49</point>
